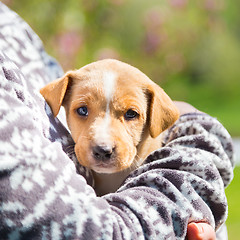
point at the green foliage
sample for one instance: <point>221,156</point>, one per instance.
<point>191,48</point>
<point>233,195</point>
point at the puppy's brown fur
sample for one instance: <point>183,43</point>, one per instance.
<point>115,114</point>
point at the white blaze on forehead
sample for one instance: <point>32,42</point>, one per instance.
<point>103,133</point>
<point>109,84</point>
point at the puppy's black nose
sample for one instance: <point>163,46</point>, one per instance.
<point>103,153</point>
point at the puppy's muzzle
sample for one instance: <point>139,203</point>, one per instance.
<point>103,153</point>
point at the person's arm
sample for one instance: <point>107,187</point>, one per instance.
<point>190,173</point>
<point>186,108</point>
<point>200,230</point>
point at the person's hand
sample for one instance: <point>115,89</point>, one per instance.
<point>200,231</point>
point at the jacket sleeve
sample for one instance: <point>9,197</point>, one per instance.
<point>42,194</point>
<point>183,181</point>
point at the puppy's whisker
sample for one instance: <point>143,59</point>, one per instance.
<point>70,149</point>
<point>136,163</point>
<point>70,146</point>
<point>70,153</point>
<point>78,100</point>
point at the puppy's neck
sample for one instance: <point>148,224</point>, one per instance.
<point>106,183</point>
<point>146,146</point>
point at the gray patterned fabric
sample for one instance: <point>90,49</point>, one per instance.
<point>43,191</point>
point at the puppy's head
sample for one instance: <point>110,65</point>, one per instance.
<point>110,106</point>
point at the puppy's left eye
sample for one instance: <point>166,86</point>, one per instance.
<point>131,114</point>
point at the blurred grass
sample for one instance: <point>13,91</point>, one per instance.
<point>233,196</point>
<point>209,100</point>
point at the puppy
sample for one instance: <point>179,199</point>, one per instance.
<point>116,115</point>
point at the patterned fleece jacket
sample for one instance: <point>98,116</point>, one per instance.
<point>46,194</point>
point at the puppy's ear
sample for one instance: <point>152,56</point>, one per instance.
<point>55,91</point>
<point>163,112</point>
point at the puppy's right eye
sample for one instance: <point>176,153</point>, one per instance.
<point>82,111</point>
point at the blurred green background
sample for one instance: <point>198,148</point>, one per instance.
<point>190,48</point>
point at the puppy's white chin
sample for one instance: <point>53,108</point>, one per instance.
<point>106,169</point>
